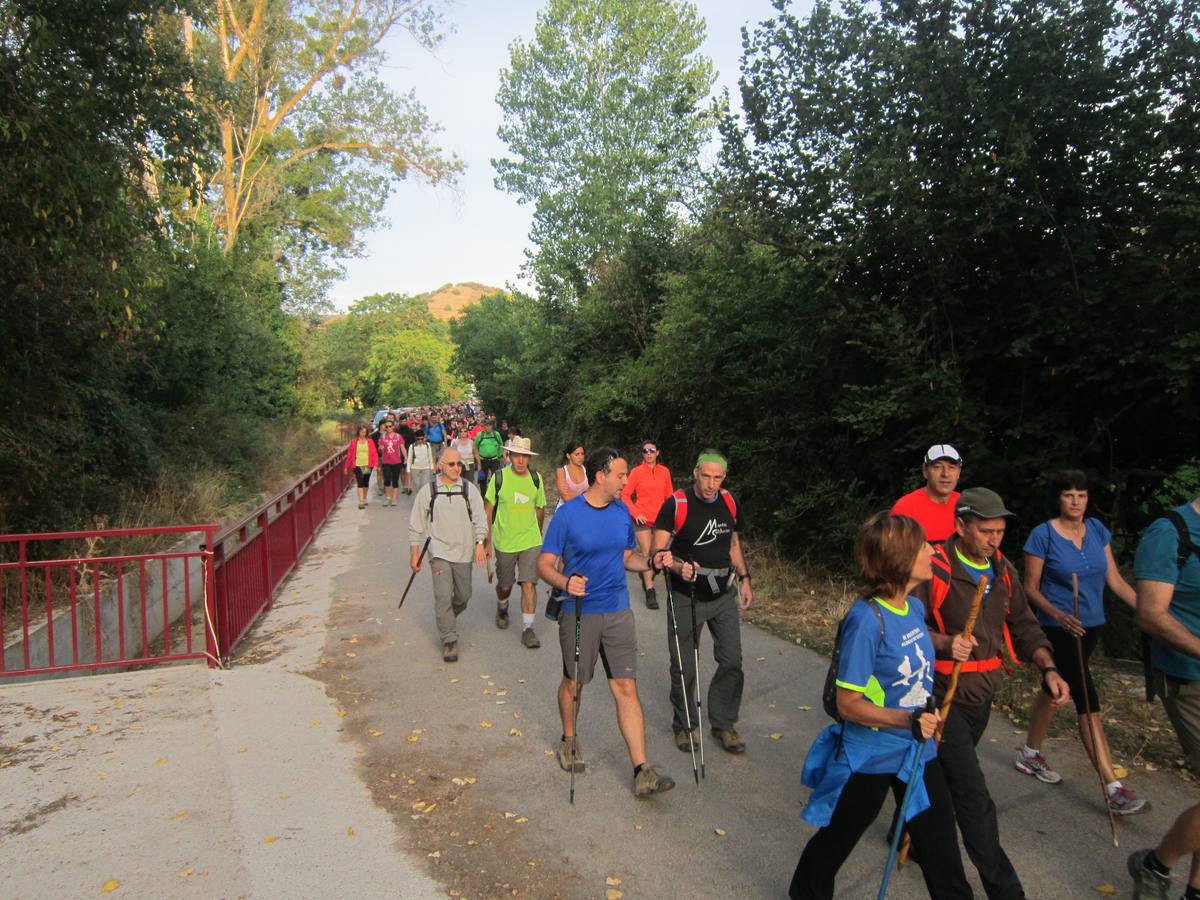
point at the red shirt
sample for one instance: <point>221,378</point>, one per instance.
<point>651,487</point>
<point>936,518</point>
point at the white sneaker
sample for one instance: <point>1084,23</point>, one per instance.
<point>1036,766</point>
<point>1124,802</point>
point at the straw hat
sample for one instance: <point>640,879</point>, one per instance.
<point>520,445</point>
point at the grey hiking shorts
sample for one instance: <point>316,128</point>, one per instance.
<point>514,567</point>
<point>610,636</point>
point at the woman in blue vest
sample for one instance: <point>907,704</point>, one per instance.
<point>884,678</point>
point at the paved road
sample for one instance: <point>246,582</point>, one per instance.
<point>457,759</point>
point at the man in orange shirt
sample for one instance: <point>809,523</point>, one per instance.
<point>933,504</point>
<point>648,486</point>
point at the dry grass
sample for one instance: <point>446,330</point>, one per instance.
<point>804,606</point>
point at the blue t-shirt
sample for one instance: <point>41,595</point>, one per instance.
<point>593,542</point>
<point>895,672</point>
<point>434,434</point>
<point>1158,560</point>
<point>1062,560</point>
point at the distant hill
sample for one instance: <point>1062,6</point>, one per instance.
<point>451,299</point>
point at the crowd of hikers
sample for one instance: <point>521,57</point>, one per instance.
<point>940,615</point>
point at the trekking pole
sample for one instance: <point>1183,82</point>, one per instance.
<point>413,576</point>
<point>578,689</point>
<point>696,656</point>
<point>930,706</point>
<point>1087,711</point>
<point>687,706</point>
<point>948,700</point>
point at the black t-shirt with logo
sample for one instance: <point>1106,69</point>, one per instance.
<point>704,539</point>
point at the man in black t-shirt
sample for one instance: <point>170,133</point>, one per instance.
<point>701,526</point>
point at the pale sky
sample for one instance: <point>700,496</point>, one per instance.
<point>474,232</point>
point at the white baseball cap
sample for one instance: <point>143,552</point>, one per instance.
<point>941,451</point>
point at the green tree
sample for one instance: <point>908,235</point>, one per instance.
<point>604,117</point>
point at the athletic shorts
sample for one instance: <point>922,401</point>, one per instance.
<point>611,636</point>
<point>362,476</point>
<point>1066,660</point>
<point>391,474</point>
<point>517,567</point>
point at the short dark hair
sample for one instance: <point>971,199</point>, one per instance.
<point>885,550</point>
<point>571,447</point>
<point>601,460</point>
<point>1069,480</point>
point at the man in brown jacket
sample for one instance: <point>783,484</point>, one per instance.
<point>1005,623</point>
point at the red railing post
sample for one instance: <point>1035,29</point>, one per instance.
<point>264,535</point>
<point>209,562</point>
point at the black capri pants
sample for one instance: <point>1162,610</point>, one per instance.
<point>362,476</point>
<point>391,474</point>
<point>1066,660</point>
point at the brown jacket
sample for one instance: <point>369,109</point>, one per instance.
<point>999,606</point>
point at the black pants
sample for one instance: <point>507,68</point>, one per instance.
<point>362,476</point>
<point>391,474</point>
<point>973,804</point>
<point>723,617</point>
<point>935,843</point>
<point>1066,658</point>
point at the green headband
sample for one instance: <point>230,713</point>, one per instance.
<point>711,458</point>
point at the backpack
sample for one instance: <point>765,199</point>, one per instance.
<point>829,692</point>
<point>939,589</point>
<point>490,437</point>
<point>681,507</point>
<point>1186,549</point>
<point>499,479</point>
<point>434,493</point>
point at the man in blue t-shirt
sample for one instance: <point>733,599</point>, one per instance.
<point>593,537</point>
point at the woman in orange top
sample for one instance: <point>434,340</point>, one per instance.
<point>648,486</point>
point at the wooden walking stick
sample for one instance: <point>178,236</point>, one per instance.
<point>948,701</point>
<point>1087,711</point>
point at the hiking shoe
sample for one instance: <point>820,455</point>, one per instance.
<point>1036,766</point>
<point>501,615</point>
<point>729,740</point>
<point>685,740</point>
<point>1147,885</point>
<point>361,504</point>
<point>450,652</point>
<point>1124,802</point>
<point>651,599</point>
<point>649,781</point>
<point>529,639</point>
<point>570,752</point>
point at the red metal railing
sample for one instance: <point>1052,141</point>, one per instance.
<point>254,556</point>
<point>80,612</point>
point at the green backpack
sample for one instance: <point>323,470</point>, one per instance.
<point>489,445</point>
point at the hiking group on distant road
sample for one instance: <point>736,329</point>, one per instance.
<point>919,656</point>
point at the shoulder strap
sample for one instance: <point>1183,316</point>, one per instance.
<point>497,480</point>
<point>731,504</point>
<point>939,587</point>
<point>681,504</point>
<point>1186,547</point>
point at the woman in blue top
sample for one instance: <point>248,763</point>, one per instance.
<point>1071,544</point>
<point>884,677</point>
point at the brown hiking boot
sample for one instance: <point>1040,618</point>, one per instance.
<point>649,781</point>
<point>685,740</point>
<point>730,740</point>
<point>570,753</point>
<point>529,639</point>
<point>651,598</point>
<point>450,652</point>
<point>501,615</point>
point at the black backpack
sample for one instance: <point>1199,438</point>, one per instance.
<point>829,694</point>
<point>434,493</point>
<point>1186,549</point>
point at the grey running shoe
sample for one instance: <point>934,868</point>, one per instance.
<point>1147,885</point>
<point>361,504</point>
<point>529,639</point>
<point>649,781</point>
<point>651,598</point>
<point>1036,766</point>
<point>501,615</point>
<point>685,740</point>
<point>729,740</point>
<point>450,652</point>
<point>570,752</point>
<point>1124,802</point>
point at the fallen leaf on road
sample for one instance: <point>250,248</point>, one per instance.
<point>487,693</point>
<point>470,779</point>
<point>501,702</point>
<point>775,735</point>
<point>324,661</point>
<point>100,773</point>
<point>612,882</point>
<point>547,752</point>
<point>270,839</point>
<point>503,693</point>
<point>1105,888</point>
<point>520,681</point>
<point>92,729</point>
<point>1121,772</point>
<point>720,831</point>
<point>316,722</point>
<point>182,814</point>
<point>455,680</point>
<point>55,748</point>
<point>186,873</point>
<point>413,738</point>
<point>341,714</point>
<point>242,749</point>
<point>454,834</point>
<point>770,705</point>
<point>161,761</point>
<point>375,732</point>
<point>637,827</point>
<point>485,724</point>
<point>436,854</point>
<point>472,843</point>
<point>350,831</point>
<point>514,732</point>
<point>420,804</point>
<point>109,886</point>
<point>760,659</point>
<point>485,677</point>
<point>431,807</point>
<point>510,815</point>
<point>351,653</point>
<point>521,820</point>
<point>354,640</point>
<point>459,781</point>
<point>613,894</point>
<point>804,708</point>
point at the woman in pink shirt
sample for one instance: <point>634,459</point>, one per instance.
<point>391,460</point>
<point>648,486</point>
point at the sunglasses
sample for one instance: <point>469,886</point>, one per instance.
<point>649,449</point>
<point>457,465</point>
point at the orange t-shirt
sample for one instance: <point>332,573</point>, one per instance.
<point>651,487</point>
<point>936,518</point>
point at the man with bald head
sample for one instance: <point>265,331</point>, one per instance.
<point>448,512</point>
